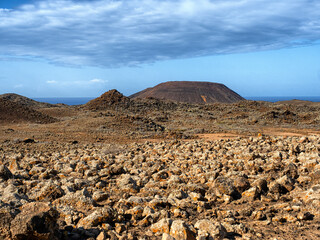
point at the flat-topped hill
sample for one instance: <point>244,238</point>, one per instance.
<point>191,92</point>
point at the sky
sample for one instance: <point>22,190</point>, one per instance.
<point>83,48</point>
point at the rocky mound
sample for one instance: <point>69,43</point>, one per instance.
<point>191,92</point>
<point>109,99</point>
<point>24,101</point>
<point>16,112</point>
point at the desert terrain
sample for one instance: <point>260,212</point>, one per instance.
<point>123,168</point>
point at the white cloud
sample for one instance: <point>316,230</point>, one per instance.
<point>116,33</point>
<point>18,86</point>
<point>52,82</point>
<point>97,80</point>
<point>78,82</point>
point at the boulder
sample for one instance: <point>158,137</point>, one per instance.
<point>36,221</point>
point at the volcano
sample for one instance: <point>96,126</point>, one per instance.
<point>190,92</point>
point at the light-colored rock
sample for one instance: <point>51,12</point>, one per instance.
<point>181,231</point>
<point>251,194</point>
<point>214,229</point>
<point>163,226</point>
<point>166,236</point>
<point>99,216</point>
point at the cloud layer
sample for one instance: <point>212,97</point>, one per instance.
<point>112,33</point>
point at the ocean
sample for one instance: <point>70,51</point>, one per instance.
<point>68,101</point>
<point>83,100</point>
<point>285,98</point>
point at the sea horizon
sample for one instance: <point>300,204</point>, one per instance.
<point>84,100</point>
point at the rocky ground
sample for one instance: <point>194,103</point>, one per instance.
<point>245,188</point>
<point>160,170</point>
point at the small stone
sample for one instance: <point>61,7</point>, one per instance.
<point>276,188</point>
<point>102,236</point>
<point>136,212</point>
<point>101,215</point>
<point>163,226</point>
<point>181,231</point>
<point>224,186</point>
<point>119,228</point>
<point>241,184</point>
<point>251,194</point>
<point>214,229</point>
<point>99,196</point>
<point>305,216</point>
<point>303,140</point>
<point>262,185</point>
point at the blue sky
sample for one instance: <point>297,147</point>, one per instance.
<point>68,48</point>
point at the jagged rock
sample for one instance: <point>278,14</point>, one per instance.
<point>286,182</point>
<point>127,183</point>
<point>313,196</point>
<point>224,186</point>
<point>11,196</point>
<point>36,221</point>
<point>251,194</point>
<point>7,214</point>
<point>163,226</point>
<point>48,192</point>
<point>214,229</point>
<point>80,200</point>
<point>5,173</point>
<point>100,196</point>
<point>262,185</point>
<point>277,188</point>
<point>241,184</point>
<point>99,216</point>
<point>181,231</point>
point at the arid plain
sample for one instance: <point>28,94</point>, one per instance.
<point>120,168</point>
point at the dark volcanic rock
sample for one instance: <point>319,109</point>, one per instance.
<point>191,92</point>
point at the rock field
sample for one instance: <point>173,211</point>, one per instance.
<point>260,187</point>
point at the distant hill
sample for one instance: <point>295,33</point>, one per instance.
<point>24,101</point>
<point>109,99</point>
<point>11,111</point>
<point>190,92</point>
